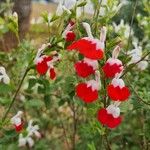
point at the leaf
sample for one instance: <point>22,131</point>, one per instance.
<point>47,100</point>
<point>35,103</point>
<point>4,101</point>
<point>4,88</point>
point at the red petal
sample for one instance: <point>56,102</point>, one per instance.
<point>83,69</point>
<point>42,66</point>
<point>116,93</point>
<point>70,36</point>
<point>124,94</point>
<point>111,70</point>
<point>87,48</point>
<point>19,127</point>
<point>52,74</point>
<point>102,116</point>
<point>113,122</point>
<point>85,93</point>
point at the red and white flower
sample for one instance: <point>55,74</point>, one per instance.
<point>86,67</point>
<point>117,90</point>
<point>17,121</point>
<point>45,63</point>
<point>113,65</point>
<point>110,116</point>
<point>88,91</point>
<point>69,35</point>
<point>89,46</point>
<point>3,76</point>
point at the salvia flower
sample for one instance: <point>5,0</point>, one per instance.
<point>86,67</point>
<point>69,35</point>
<point>113,65</point>
<point>17,121</point>
<point>136,55</point>
<point>88,91</point>
<point>117,90</point>
<point>45,63</point>
<point>3,76</point>
<point>90,47</point>
<point>110,116</point>
<point>28,138</point>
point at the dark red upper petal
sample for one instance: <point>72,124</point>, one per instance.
<point>70,36</point>
<point>85,93</point>
<point>87,48</point>
<point>83,69</point>
<point>111,70</point>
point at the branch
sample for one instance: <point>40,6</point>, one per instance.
<point>139,98</point>
<point>16,93</point>
<point>133,65</point>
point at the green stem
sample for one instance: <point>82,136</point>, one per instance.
<point>129,68</point>
<point>131,24</point>
<point>16,93</point>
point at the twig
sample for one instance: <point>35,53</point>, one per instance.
<point>139,98</point>
<point>64,130</point>
<point>131,23</point>
<point>74,128</point>
<point>107,142</point>
<point>127,68</point>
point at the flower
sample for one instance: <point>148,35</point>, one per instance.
<point>113,65</point>
<point>3,76</point>
<point>88,46</point>
<point>69,35</point>
<point>142,65</point>
<point>88,92</point>
<point>109,116</point>
<point>61,9</point>
<point>17,122</point>
<point>45,63</point>
<point>123,28</point>
<point>27,139</point>
<point>136,56</point>
<point>117,90</point>
<point>86,67</point>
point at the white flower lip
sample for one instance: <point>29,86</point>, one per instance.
<point>3,76</point>
<point>114,110</point>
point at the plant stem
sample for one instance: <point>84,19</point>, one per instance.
<point>107,142</point>
<point>129,68</point>
<point>131,24</point>
<point>74,128</point>
<point>64,130</point>
<point>16,93</point>
<point>139,98</point>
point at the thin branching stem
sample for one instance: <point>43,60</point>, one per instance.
<point>15,95</point>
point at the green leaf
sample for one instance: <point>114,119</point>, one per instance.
<point>4,88</point>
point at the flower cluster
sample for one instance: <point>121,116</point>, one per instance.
<point>25,135</point>
<point>93,50</point>
<point>45,63</point>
